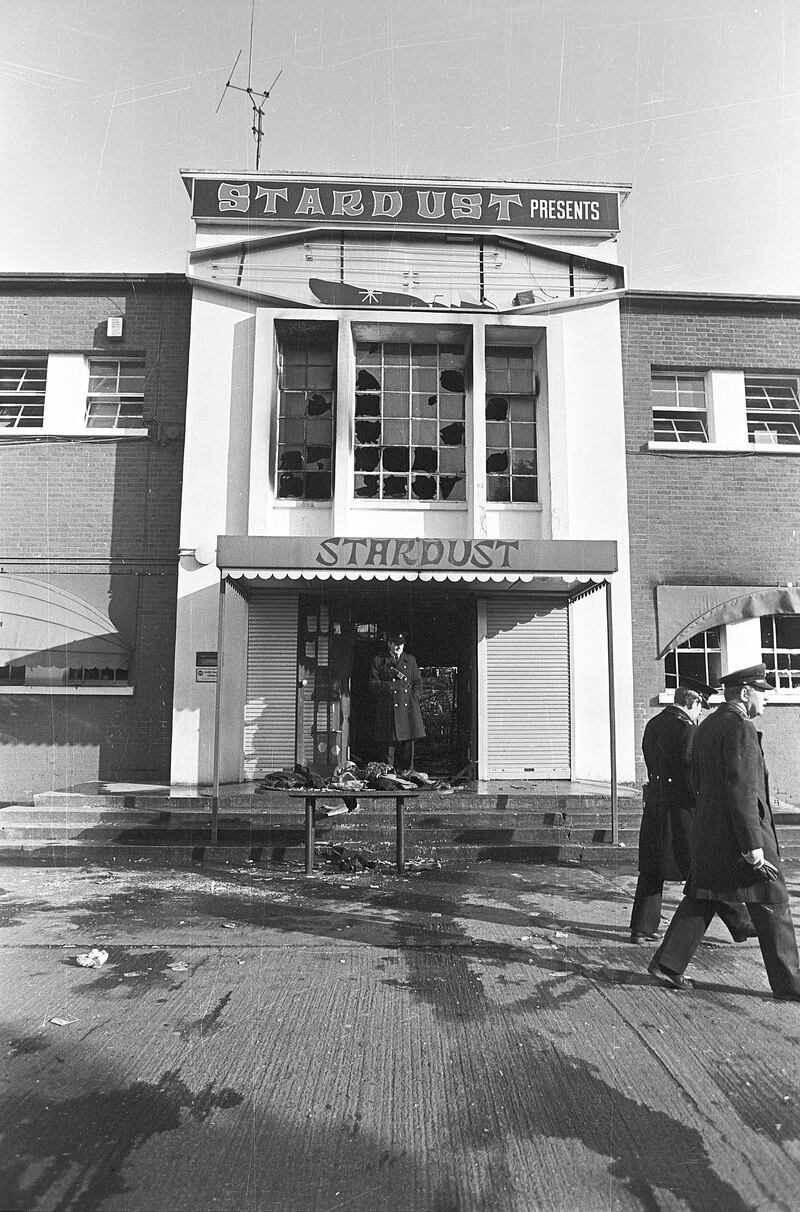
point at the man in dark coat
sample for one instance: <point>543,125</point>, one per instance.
<point>734,846</point>
<point>395,683</point>
<point>668,811</point>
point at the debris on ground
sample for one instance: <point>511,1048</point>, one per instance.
<point>92,959</point>
<point>178,966</point>
<point>62,1022</point>
<point>349,860</point>
<point>332,810</point>
<point>426,864</point>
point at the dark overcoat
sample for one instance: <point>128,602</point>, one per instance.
<point>732,813</point>
<point>397,713</point>
<point>669,799</point>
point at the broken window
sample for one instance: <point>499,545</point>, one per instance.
<point>306,378</point>
<point>511,462</point>
<point>409,421</point>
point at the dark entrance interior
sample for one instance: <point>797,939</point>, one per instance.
<point>339,634</point>
<point>441,630</point>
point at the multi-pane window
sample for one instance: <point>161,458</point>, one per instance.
<point>699,657</point>
<point>409,421</point>
<point>116,393</point>
<point>511,465</point>
<point>306,378</point>
<point>83,676</point>
<point>773,411</point>
<point>679,407</point>
<point>22,383</point>
<point>780,649</point>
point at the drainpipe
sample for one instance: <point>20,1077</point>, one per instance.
<point>218,711</point>
<point>612,718</point>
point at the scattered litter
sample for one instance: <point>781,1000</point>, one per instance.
<point>228,926</point>
<point>429,864</point>
<point>333,810</point>
<point>178,966</point>
<point>92,959</point>
<point>525,938</point>
<point>130,974</point>
<point>560,934</point>
<point>62,1022</point>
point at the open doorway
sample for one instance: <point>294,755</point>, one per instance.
<point>441,630</point>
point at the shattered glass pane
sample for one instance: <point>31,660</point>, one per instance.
<point>523,463</point>
<point>453,435</point>
<point>452,380</point>
<point>498,489</point>
<point>366,381</point>
<point>368,354</point>
<point>453,488</point>
<point>425,459</point>
<point>367,458</point>
<point>497,461</point>
<point>395,487</point>
<point>318,485</point>
<point>291,460</point>
<point>497,408</point>
<point>318,458</point>
<point>368,405</point>
<point>318,404</point>
<point>423,406</point>
<point>290,486</point>
<point>396,458</point>
<point>423,487</point>
<point>368,432</point>
<point>366,486</point>
<point>524,488</point>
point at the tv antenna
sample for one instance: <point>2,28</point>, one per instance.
<point>258,100</point>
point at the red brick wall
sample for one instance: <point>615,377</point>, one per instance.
<point>709,519</point>
<point>78,505</point>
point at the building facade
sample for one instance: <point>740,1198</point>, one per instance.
<point>92,408</point>
<point>404,409</point>
<point>713,439</point>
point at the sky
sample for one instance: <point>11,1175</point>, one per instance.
<point>694,103</point>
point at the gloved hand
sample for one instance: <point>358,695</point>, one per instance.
<point>762,868</point>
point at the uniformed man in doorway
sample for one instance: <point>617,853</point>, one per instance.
<point>395,684</point>
<point>734,848</point>
<point>668,812</point>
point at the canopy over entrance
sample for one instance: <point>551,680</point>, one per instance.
<point>45,625</point>
<point>686,610</point>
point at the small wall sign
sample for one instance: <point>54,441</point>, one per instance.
<point>205,666</point>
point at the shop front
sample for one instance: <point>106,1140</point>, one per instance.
<point>488,621</point>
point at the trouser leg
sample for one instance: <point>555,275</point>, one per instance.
<point>646,912</point>
<point>737,919</point>
<point>685,933</point>
<point>403,755</point>
<point>778,944</point>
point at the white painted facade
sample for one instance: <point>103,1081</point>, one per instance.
<point>231,480</point>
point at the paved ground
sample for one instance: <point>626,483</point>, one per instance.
<point>476,1041</point>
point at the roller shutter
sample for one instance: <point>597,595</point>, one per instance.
<point>526,695</point>
<point>271,704</point>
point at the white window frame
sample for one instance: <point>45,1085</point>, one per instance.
<point>114,397</point>
<point>740,646</point>
<point>66,397</point>
<point>677,411</point>
<point>763,387</point>
<point>23,385</point>
<point>727,415</point>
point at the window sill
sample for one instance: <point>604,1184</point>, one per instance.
<point>15,434</point>
<point>515,506</point>
<point>83,691</point>
<point>777,698</point>
<point>377,503</point>
<point>293,503</point>
<point>710,448</point>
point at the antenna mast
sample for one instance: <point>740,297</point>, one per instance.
<point>258,100</point>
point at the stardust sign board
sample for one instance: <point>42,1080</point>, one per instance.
<point>316,202</point>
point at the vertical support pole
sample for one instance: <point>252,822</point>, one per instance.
<point>311,804</point>
<point>400,855</point>
<point>223,580</point>
<point>612,717</point>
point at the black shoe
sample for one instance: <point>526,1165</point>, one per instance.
<point>742,936</point>
<point>673,979</point>
<point>636,937</point>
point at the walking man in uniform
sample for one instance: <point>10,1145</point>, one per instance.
<point>666,825</point>
<point>395,683</point>
<point>734,848</point>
